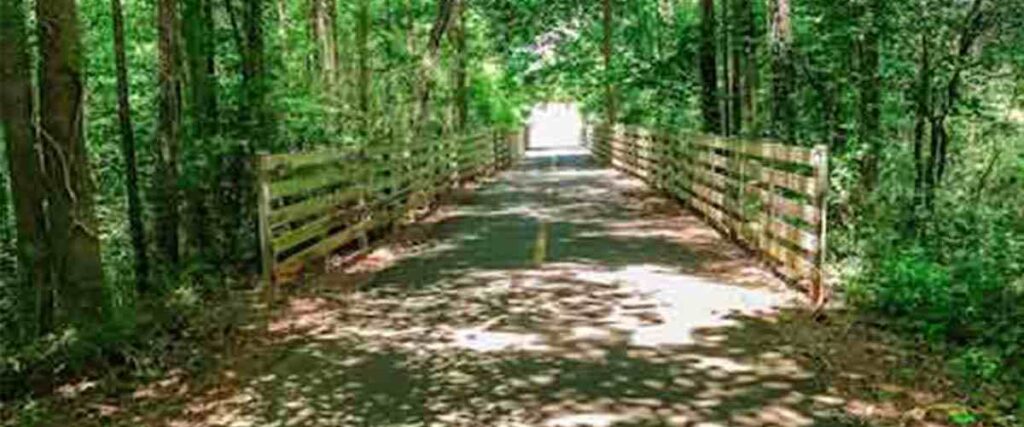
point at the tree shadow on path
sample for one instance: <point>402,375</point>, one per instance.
<point>560,295</point>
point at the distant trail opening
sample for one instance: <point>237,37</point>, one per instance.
<point>554,125</point>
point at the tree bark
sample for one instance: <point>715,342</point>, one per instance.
<point>750,66</point>
<point>445,11</point>
<point>922,112</point>
<point>167,147</point>
<point>870,95</point>
<point>34,295</point>
<point>734,48</point>
<point>254,80</point>
<point>738,47</point>
<point>973,27</point>
<point>73,234</point>
<point>363,46</point>
<point>709,69</point>
<point>124,116</point>
<point>783,110</point>
<point>322,26</point>
<point>200,56</point>
<point>460,75</point>
<point>724,52</point>
<point>611,101</point>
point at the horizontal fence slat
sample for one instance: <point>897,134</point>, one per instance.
<point>284,163</point>
<point>791,234</point>
<point>313,206</point>
<point>327,245</point>
<point>311,230</point>
<point>313,203</point>
<point>766,194</point>
<point>788,207</point>
<point>313,181</point>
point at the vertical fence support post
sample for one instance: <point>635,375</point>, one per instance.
<point>263,213</point>
<point>495,154</point>
<point>364,202</point>
<point>819,160</point>
<point>658,154</point>
<point>769,217</point>
<point>684,168</point>
<point>741,184</point>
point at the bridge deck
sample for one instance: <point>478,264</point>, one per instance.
<point>560,294</point>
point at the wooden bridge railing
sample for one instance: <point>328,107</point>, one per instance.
<point>768,196</point>
<point>314,204</point>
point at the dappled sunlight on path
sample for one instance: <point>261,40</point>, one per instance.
<point>560,295</point>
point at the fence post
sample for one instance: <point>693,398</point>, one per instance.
<point>683,168</point>
<point>263,212</point>
<point>741,186</point>
<point>819,160</point>
<point>769,216</point>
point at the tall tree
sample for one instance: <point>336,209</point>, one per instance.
<point>748,31</point>
<point>922,101</point>
<point>73,232</point>
<point>168,134</point>
<point>363,46</point>
<point>611,104</point>
<point>460,73</point>
<point>202,113</point>
<point>322,17</point>
<point>730,68</point>
<point>736,75</point>
<point>201,61</point>
<point>124,116</point>
<point>442,22</point>
<point>975,23</point>
<point>783,109</point>
<point>869,88</point>
<point>708,69</point>
<point>254,79</point>
<point>16,117</point>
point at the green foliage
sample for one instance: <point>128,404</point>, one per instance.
<point>305,111</point>
<point>963,418</point>
<point>959,289</point>
<point>948,273</point>
<point>493,100</point>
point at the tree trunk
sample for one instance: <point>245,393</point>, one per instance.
<point>34,296</point>
<point>750,66</point>
<point>124,117</point>
<point>410,26</point>
<point>709,70</point>
<point>75,266</point>
<point>611,103</point>
<point>723,51</point>
<point>923,110</point>
<point>870,96</point>
<point>783,110</point>
<point>737,33</point>
<point>254,80</point>
<point>167,147</point>
<point>322,25</point>
<point>363,46</point>
<point>974,25</point>
<point>460,77</point>
<point>734,50</point>
<point>445,11</point>
<point>200,47</point>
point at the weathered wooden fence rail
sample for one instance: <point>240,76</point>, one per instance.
<point>314,204</point>
<point>768,196</point>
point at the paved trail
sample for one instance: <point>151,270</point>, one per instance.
<point>560,294</point>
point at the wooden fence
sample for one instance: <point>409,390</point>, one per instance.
<point>314,204</point>
<point>768,196</point>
